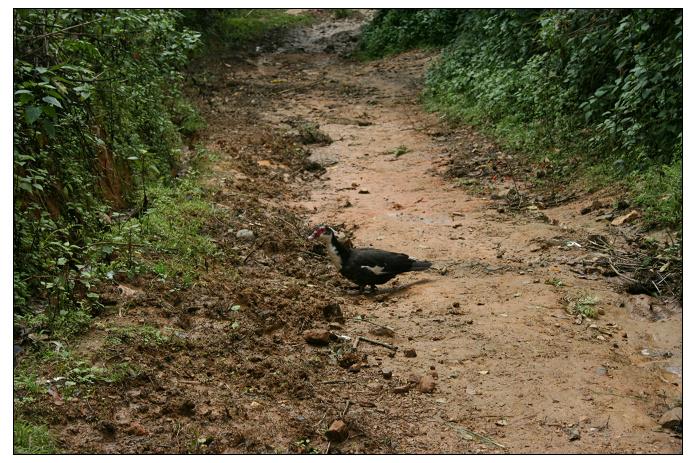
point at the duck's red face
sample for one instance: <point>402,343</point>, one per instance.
<point>321,230</point>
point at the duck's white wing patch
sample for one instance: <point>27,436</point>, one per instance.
<point>377,270</point>
<point>335,256</point>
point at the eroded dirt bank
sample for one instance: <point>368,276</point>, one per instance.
<point>514,371</point>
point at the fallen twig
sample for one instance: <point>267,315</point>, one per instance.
<point>379,343</point>
<point>619,273</point>
<point>620,395</point>
<point>345,410</point>
<point>376,324</point>
<point>254,249</point>
<point>482,438</point>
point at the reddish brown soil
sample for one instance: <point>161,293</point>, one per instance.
<point>514,372</point>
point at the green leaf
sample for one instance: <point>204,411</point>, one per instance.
<point>62,261</point>
<point>32,113</point>
<point>26,186</point>
<point>52,101</point>
<point>49,128</point>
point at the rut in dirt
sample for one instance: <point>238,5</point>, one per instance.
<point>271,353</point>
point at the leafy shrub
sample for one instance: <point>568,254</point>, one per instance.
<point>95,96</point>
<point>600,85</point>
<point>396,30</point>
<point>234,28</point>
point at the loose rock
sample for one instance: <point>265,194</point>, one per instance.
<point>337,432</point>
<point>332,312</point>
<point>245,234</point>
<point>386,373</point>
<point>630,217</point>
<point>137,429</point>
<point>573,433</point>
<point>672,419</point>
<point>317,337</point>
<point>426,384</point>
<point>402,389</point>
<point>410,353</point>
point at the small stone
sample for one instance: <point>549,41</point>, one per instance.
<point>573,433</point>
<point>601,311</point>
<point>337,432</point>
<point>317,337</point>
<point>402,389</point>
<point>426,384</point>
<point>413,378</point>
<point>672,419</point>
<point>600,338</point>
<point>354,368</point>
<point>410,353</point>
<point>501,423</point>
<point>245,234</point>
<point>483,372</point>
<point>382,331</point>
<point>387,373</point>
<point>137,429</point>
<point>363,192</point>
<point>631,216</point>
<point>254,404</point>
<point>332,312</point>
<point>455,305</point>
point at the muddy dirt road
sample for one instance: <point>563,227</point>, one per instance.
<point>510,362</point>
<point>514,371</point>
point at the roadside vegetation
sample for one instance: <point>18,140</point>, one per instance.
<point>596,92</point>
<point>106,181</point>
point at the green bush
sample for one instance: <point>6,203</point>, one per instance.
<point>96,94</point>
<point>396,30</point>
<point>235,28</point>
<point>604,86</point>
<point>29,439</point>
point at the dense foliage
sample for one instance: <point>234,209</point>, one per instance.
<point>234,28</point>
<point>97,116</point>
<point>393,31</point>
<point>601,85</point>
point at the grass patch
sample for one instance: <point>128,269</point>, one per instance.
<point>660,193</point>
<point>169,240</point>
<point>232,28</point>
<point>31,439</point>
<point>71,376</point>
